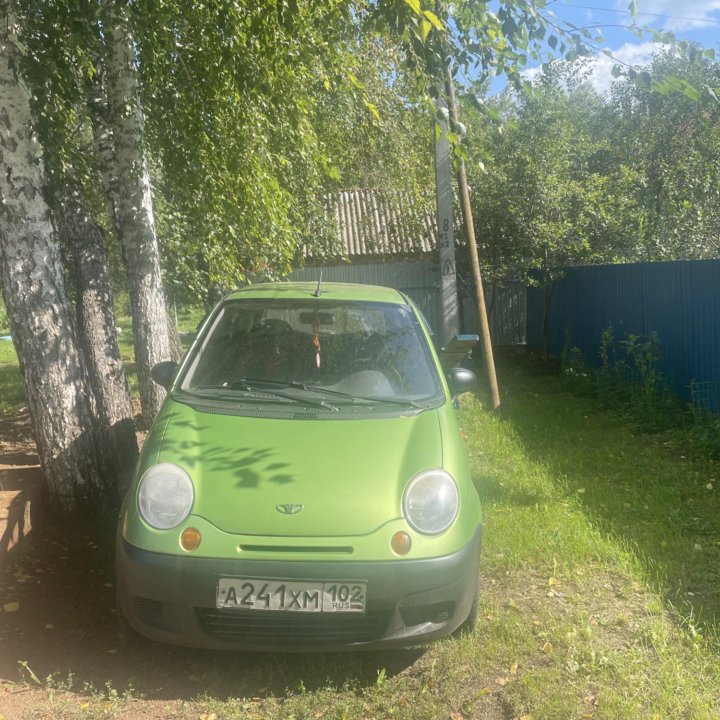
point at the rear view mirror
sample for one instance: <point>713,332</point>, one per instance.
<point>322,318</point>
<point>164,373</point>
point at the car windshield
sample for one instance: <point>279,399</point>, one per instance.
<point>340,349</point>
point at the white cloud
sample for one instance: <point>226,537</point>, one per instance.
<point>599,67</point>
<point>683,14</point>
<point>635,54</point>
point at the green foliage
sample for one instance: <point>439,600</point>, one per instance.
<point>629,379</point>
<point>484,41</point>
<point>255,112</point>
<point>229,93</point>
<point>629,382</point>
<point>539,201</point>
<point>563,176</point>
<point>706,420</point>
<point>670,140</point>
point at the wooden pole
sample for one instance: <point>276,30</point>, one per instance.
<point>472,247</point>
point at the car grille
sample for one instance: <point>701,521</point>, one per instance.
<point>149,612</point>
<point>292,628</point>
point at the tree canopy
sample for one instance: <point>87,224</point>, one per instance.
<point>565,176</point>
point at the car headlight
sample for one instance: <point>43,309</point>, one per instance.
<point>431,502</point>
<point>166,496</point>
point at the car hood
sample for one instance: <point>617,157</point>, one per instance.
<point>285,477</point>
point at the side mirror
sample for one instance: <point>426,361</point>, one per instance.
<point>461,380</point>
<point>164,373</point>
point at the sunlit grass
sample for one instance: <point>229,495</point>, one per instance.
<point>602,553</point>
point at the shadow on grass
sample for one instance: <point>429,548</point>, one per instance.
<point>642,488</point>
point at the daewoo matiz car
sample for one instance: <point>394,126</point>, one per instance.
<point>305,486</point>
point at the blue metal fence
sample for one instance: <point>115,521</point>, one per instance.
<point>678,300</point>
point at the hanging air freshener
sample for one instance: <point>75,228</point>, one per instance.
<point>316,341</point>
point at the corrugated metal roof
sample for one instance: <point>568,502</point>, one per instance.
<point>373,223</point>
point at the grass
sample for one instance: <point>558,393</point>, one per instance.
<point>610,542</point>
<point>12,396</point>
<point>599,590</point>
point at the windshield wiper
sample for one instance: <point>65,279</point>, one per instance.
<point>354,398</point>
<point>251,385</point>
<point>245,386</point>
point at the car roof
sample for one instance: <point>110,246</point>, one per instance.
<point>328,291</point>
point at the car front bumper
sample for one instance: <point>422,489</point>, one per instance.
<point>172,599</point>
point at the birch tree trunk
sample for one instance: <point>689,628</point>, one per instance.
<point>134,211</point>
<point>97,334</point>
<point>104,142</point>
<point>40,314</point>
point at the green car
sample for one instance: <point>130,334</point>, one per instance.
<point>305,486</point>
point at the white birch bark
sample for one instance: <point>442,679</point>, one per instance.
<point>97,333</point>
<point>41,317</point>
<point>134,211</point>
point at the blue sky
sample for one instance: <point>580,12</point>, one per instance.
<point>697,20</point>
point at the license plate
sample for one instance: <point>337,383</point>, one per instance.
<point>259,594</point>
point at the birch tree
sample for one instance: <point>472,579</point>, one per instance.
<point>40,314</point>
<point>59,107</point>
<point>83,238</point>
<point>134,209</point>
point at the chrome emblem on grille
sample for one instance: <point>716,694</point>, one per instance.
<point>289,509</point>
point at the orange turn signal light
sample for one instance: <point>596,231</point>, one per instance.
<point>190,539</point>
<point>401,543</point>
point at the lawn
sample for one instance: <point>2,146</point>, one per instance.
<point>599,595</point>
<point>12,397</point>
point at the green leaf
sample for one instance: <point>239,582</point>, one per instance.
<point>644,80</point>
<point>690,91</point>
<point>552,41</point>
<point>433,18</point>
<point>373,109</point>
<point>414,5</point>
<point>453,138</point>
<point>424,28</point>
